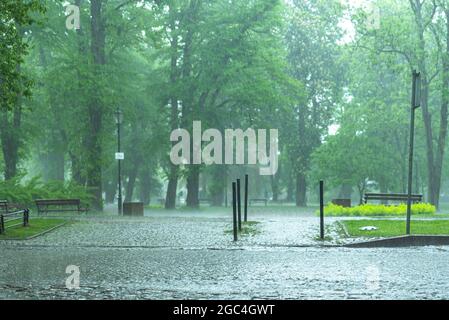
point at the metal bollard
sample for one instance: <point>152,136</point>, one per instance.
<point>25,217</point>
<point>239,205</point>
<point>234,211</point>
<point>2,224</point>
<point>322,210</point>
<point>246,199</point>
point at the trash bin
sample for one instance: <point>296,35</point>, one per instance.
<point>133,209</point>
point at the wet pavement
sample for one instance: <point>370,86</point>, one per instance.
<point>190,256</point>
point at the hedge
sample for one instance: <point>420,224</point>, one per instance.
<point>367,210</point>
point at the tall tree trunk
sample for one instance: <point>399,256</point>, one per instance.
<point>217,185</point>
<point>442,135</point>
<point>170,198</point>
<point>57,163</point>
<point>54,166</point>
<point>110,189</point>
<point>131,183</point>
<point>76,171</point>
<point>434,159</point>
<point>193,185</point>
<point>290,189</point>
<point>145,185</point>
<point>77,151</point>
<point>417,177</point>
<point>361,188</point>
<point>275,185</point>
<point>11,138</point>
<point>10,129</point>
<point>94,147</point>
<point>301,190</point>
<point>190,110</point>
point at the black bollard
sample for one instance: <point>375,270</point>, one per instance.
<point>322,210</point>
<point>26,217</point>
<point>234,211</point>
<point>246,199</point>
<point>239,205</point>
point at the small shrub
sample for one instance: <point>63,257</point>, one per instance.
<point>367,210</point>
<point>25,193</point>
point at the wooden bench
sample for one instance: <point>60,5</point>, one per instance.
<point>59,205</point>
<point>205,200</point>
<point>265,201</point>
<point>391,197</point>
<point>6,207</point>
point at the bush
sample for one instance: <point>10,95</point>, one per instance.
<point>25,193</point>
<point>367,210</point>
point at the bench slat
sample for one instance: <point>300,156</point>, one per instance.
<point>72,205</point>
<point>392,197</point>
<point>265,201</point>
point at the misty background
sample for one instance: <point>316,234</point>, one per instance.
<point>334,77</point>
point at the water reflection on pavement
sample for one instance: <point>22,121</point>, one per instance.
<point>173,257</point>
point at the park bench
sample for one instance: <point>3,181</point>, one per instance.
<point>205,200</point>
<point>392,197</point>
<point>59,205</point>
<point>260,200</point>
<point>20,215</point>
<point>6,206</point>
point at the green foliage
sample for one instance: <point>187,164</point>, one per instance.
<point>291,65</point>
<point>15,17</point>
<point>374,210</point>
<point>25,193</point>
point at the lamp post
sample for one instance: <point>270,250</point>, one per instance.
<point>119,157</point>
<point>416,103</point>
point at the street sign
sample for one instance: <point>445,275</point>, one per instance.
<point>119,156</point>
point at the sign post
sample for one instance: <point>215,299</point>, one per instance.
<point>322,210</point>
<point>119,156</point>
<point>416,103</point>
<point>234,210</point>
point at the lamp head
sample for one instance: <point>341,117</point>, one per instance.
<point>118,116</point>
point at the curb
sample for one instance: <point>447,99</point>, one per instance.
<point>402,241</point>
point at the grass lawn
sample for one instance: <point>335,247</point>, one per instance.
<point>392,228</point>
<point>248,228</point>
<point>35,227</point>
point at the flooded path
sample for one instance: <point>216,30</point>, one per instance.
<point>191,257</point>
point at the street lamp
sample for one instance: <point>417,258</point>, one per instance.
<point>416,103</point>
<point>119,157</point>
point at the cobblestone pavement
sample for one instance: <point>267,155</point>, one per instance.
<point>184,229</point>
<point>188,255</point>
<point>293,273</point>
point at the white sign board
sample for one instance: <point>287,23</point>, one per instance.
<point>119,156</point>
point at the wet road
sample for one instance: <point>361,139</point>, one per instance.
<point>251,273</point>
<point>191,257</point>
